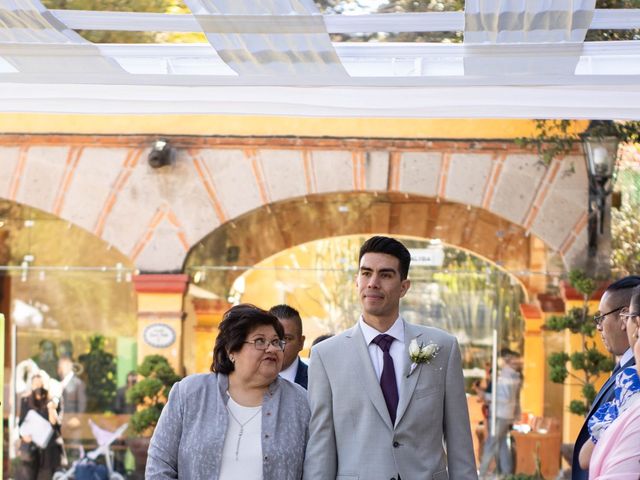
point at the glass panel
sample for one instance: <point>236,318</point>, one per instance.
<point>450,289</point>
<point>71,312</point>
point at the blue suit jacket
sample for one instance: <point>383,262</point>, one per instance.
<point>604,395</point>
<point>301,374</point>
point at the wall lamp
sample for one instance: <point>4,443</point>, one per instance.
<point>161,154</point>
<point>600,145</point>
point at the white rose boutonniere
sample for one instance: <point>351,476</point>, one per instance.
<point>421,353</point>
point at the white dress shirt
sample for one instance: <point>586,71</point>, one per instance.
<point>626,356</point>
<point>289,373</point>
<point>397,350</point>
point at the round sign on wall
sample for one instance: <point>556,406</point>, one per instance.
<point>159,335</point>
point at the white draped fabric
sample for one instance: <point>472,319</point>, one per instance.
<point>33,32</point>
<point>519,58</point>
<point>530,21</point>
<point>270,37</point>
<point>527,21</point>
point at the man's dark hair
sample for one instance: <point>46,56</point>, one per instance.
<point>236,325</point>
<point>285,312</point>
<point>625,283</point>
<point>389,246</point>
<point>622,289</point>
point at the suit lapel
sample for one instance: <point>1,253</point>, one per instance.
<point>301,374</point>
<point>364,371</point>
<point>407,384</point>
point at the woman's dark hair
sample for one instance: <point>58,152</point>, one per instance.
<point>38,403</point>
<point>236,325</point>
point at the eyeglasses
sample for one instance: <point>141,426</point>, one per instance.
<point>263,344</point>
<point>630,315</point>
<point>599,318</point>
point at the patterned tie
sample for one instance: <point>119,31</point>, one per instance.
<point>388,377</point>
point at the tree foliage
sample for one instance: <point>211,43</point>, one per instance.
<point>150,394</point>
<point>415,6</point>
<point>474,297</point>
<point>604,35</point>
<point>100,375</point>
<point>113,36</point>
<point>325,6</point>
<point>587,363</point>
<point>551,140</point>
<point>625,222</point>
<point>625,231</point>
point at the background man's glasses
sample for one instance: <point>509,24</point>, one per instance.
<point>630,315</point>
<point>262,344</point>
<point>599,318</point>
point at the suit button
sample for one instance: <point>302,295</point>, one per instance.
<point>396,445</point>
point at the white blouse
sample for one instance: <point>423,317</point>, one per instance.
<point>242,451</point>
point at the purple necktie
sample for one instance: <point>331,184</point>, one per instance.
<point>388,377</point>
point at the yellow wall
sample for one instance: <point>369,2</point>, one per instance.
<point>534,368</point>
<point>159,302</point>
<point>163,308</point>
<point>267,126</point>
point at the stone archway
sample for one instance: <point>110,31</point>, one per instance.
<point>266,231</point>
<point>104,185</point>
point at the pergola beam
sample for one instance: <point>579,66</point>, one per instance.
<point>619,19</point>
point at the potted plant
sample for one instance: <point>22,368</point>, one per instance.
<point>150,396</point>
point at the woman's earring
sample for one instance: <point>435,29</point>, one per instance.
<point>233,360</point>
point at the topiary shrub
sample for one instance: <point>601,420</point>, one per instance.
<point>150,394</point>
<point>587,363</point>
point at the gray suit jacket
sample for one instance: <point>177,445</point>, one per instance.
<point>351,436</point>
<point>188,440</point>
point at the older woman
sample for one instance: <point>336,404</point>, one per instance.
<point>242,420</point>
<point>615,428</point>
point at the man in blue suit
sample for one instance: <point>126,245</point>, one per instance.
<point>293,369</point>
<point>612,328</point>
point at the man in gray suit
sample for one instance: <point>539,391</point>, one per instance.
<point>375,413</point>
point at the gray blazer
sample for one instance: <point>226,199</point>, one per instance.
<point>351,436</point>
<point>188,440</point>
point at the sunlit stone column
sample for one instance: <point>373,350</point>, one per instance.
<point>160,316</point>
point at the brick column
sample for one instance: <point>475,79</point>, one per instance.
<point>160,316</point>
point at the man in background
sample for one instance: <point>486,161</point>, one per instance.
<point>293,369</point>
<point>74,397</point>
<point>507,412</point>
<point>613,330</point>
